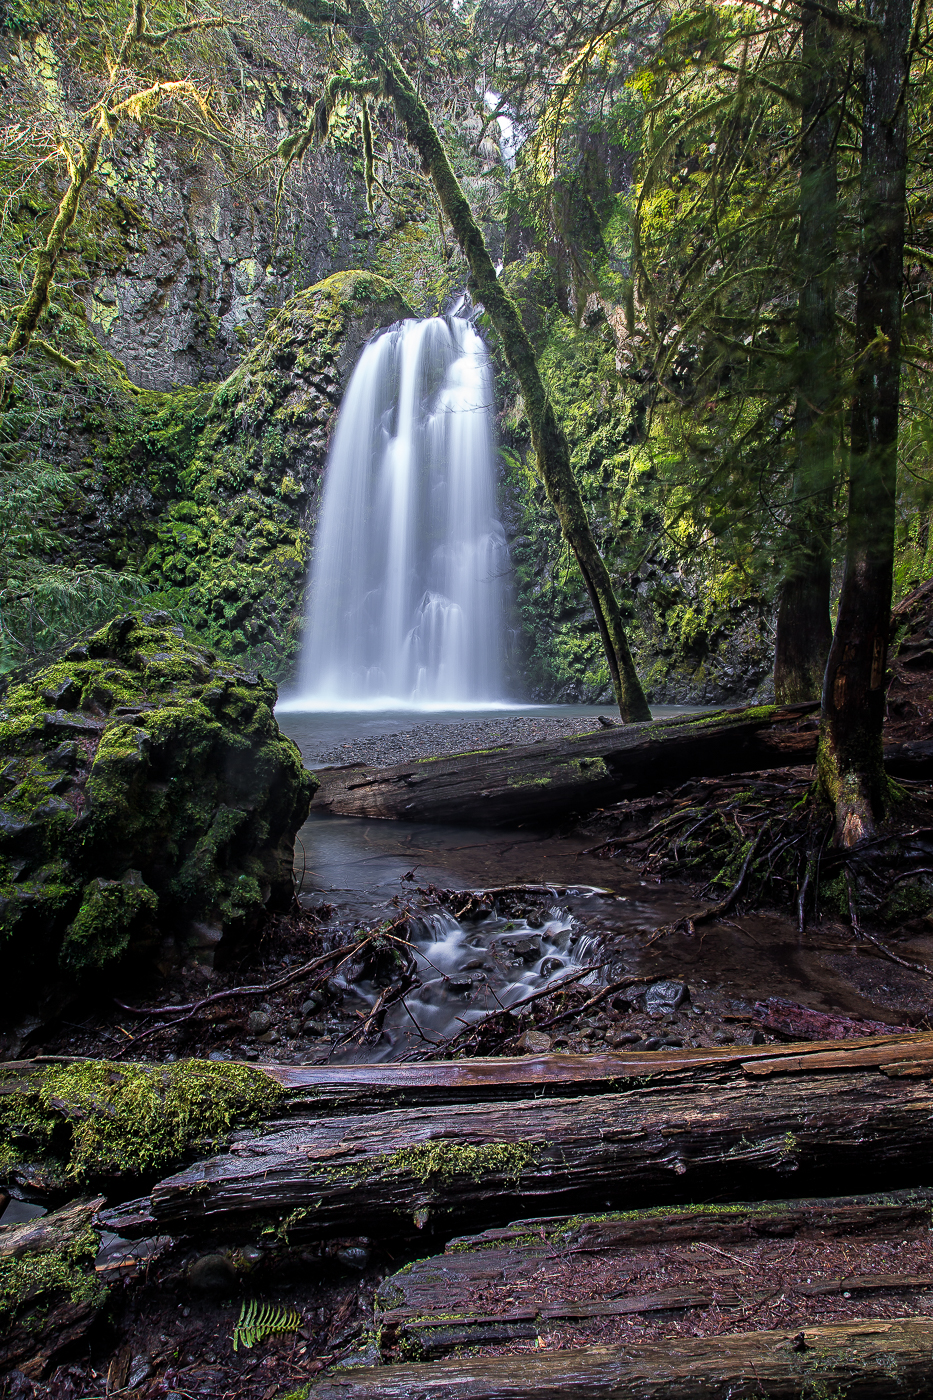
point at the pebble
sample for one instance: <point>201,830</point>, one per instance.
<point>533,1043</point>
<point>435,740</point>
<point>259,1022</point>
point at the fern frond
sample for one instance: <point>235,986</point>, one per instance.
<point>257,1321</point>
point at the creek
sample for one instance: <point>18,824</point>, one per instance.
<point>594,912</point>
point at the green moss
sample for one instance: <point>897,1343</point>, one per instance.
<point>170,797</point>
<point>231,551</point>
<point>93,1118</point>
<point>35,1281</point>
<point>442,1160</point>
<point>110,909</point>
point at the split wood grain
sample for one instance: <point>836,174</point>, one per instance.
<point>733,1134</point>
<point>858,1359</point>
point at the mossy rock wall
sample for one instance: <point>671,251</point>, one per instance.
<point>148,806</point>
<point>232,553</point>
<point>699,630</point>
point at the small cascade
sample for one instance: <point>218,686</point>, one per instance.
<point>462,973</point>
<point>408,587</point>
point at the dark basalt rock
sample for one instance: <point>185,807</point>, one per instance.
<point>153,818</point>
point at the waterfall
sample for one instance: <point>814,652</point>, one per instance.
<point>408,591</point>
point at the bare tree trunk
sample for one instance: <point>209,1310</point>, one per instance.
<point>804,630</point>
<point>850,758</point>
<point>549,442</point>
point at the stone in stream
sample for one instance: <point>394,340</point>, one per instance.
<point>663,997</point>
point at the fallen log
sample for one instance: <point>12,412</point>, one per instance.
<point>518,1283</point>
<point>682,1123</point>
<point>874,1358</point>
<point>560,777</point>
<point>49,1294</point>
<point>565,777</point>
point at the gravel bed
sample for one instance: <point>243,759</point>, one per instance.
<point>435,740</point>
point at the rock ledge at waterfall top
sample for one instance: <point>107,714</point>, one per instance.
<point>148,807</point>
<point>234,550</point>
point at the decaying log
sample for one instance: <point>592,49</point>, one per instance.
<point>562,777</point>
<point>860,1359</point>
<point>49,1294</point>
<point>558,777</point>
<point>678,1124</point>
<point>518,1283</point>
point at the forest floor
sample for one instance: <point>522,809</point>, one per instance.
<point>735,955</point>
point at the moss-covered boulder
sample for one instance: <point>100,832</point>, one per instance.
<point>148,805</point>
<point>234,550</point>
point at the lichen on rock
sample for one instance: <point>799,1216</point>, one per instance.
<point>148,802</point>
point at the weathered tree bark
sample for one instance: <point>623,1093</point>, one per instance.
<point>547,437</point>
<point>856,1359</point>
<point>804,630</point>
<point>555,780</point>
<point>676,1123</point>
<point>49,1295</point>
<point>851,766</point>
<point>511,1284</point>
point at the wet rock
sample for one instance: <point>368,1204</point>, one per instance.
<point>140,1370</point>
<point>533,1043</point>
<point>314,1001</point>
<point>211,1274</point>
<point>354,1256</point>
<point>241,552</point>
<point>663,997</point>
<point>653,1043</point>
<point>366,1356</point>
<point>617,1038</point>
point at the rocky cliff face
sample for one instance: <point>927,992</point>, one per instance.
<point>182,248</point>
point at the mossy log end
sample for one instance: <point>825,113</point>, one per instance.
<point>672,1125</point>
<point>49,1295</point>
<point>852,1359</point>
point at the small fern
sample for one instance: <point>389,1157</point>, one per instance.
<point>259,1321</point>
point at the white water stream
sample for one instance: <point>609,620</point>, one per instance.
<point>408,588</point>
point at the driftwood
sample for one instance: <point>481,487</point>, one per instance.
<point>517,1283</point>
<point>497,1137</point>
<point>876,1358</point>
<point>561,777</point>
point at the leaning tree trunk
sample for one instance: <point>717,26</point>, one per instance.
<point>850,761</point>
<point>804,630</point>
<point>549,442</point>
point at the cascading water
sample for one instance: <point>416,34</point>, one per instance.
<point>408,583</point>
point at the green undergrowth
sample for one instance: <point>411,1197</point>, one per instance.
<point>95,1118</point>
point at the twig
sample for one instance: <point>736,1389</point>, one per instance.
<point>863,933</point>
<point>594,1001</point>
<point>194,1007</point>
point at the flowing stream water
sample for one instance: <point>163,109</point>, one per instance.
<point>408,588</point>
